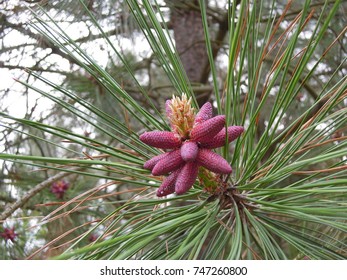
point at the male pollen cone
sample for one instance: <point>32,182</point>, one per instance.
<point>149,164</point>
<point>168,185</point>
<point>190,145</point>
<point>186,177</point>
<point>213,162</point>
<point>161,139</point>
<point>169,163</point>
<point>189,151</point>
<point>219,140</point>
<point>205,131</point>
<point>204,114</point>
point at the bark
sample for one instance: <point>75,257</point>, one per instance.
<point>189,37</point>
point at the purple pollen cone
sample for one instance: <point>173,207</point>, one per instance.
<point>186,177</point>
<point>169,163</point>
<point>189,144</point>
<point>205,131</point>
<point>213,162</point>
<point>9,234</point>
<point>168,185</point>
<point>204,114</point>
<point>161,139</point>
<point>219,139</point>
<point>149,164</point>
<point>189,151</point>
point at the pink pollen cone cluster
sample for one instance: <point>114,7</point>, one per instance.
<point>59,188</point>
<point>9,234</point>
<point>187,153</point>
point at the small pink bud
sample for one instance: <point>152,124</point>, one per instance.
<point>206,130</point>
<point>219,139</point>
<point>189,151</point>
<point>204,114</point>
<point>169,163</point>
<point>186,177</point>
<point>9,234</point>
<point>168,185</point>
<point>213,162</point>
<point>161,139</point>
<point>93,237</point>
<point>59,188</point>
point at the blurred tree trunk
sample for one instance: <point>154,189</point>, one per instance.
<point>186,23</point>
<point>189,37</point>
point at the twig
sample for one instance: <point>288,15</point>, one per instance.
<point>9,210</point>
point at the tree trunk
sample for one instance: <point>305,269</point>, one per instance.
<point>189,37</point>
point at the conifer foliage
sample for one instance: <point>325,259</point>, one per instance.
<point>256,171</point>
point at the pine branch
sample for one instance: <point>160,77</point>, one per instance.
<point>43,42</point>
<point>35,68</point>
<point>38,188</point>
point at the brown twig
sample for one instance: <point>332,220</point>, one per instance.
<point>9,210</point>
